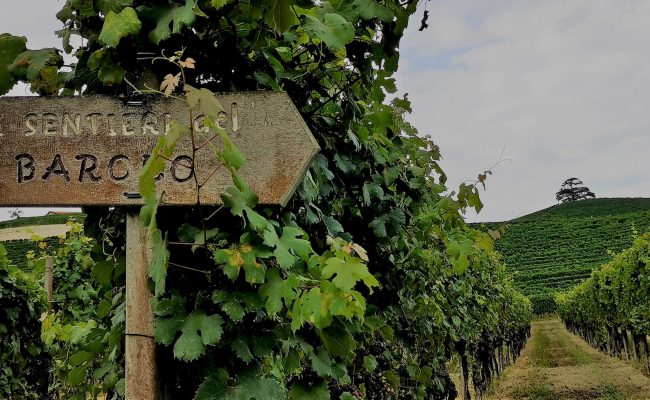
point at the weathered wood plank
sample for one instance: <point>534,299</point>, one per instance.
<point>140,348</point>
<point>89,150</point>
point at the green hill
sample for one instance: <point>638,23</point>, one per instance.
<point>17,249</point>
<point>41,220</point>
<point>556,248</point>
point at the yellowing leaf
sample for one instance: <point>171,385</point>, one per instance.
<point>188,63</point>
<point>170,83</point>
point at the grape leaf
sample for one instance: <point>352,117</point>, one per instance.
<point>28,64</point>
<point>169,83</point>
<point>192,234</point>
<point>117,26</point>
<point>280,16</point>
<point>233,310</point>
<point>238,201</point>
<point>333,30</point>
<point>302,392</point>
<point>111,73</point>
<point>166,328</point>
<point>176,16</point>
<point>104,6</point>
<point>241,349</point>
<point>198,330</point>
<point>310,307</point>
<point>365,9</point>
<point>231,156</point>
<point>321,363</point>
<point>348,273</point>
<point>245,257</point>
<point>338,341</point>
<point>10,48</point>
<point>218,3</point>
<point>250,386</point>
<point>370,363</point>
<point>206,102</point>
<point>213,385</point>
<point>160,260</point>
<point>287,245</point>
<point>156,163</point>
<point>276,290</point>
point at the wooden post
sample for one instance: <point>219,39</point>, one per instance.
<point>464,378</point>
<point>49,280</point>
<point>140,352</point>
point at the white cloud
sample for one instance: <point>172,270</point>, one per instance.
<point>563,86</point>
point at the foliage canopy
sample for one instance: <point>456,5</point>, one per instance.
<point>362,287</point>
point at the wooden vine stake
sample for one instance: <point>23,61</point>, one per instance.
<point>141,381</point>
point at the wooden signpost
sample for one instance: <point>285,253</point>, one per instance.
<point>89,150</point>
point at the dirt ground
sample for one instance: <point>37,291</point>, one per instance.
<point>26,232</point>
<point>557,365</point>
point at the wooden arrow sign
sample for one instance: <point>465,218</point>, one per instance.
<point>89,150</point>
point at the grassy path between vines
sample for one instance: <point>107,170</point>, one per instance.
<point>557,365</point>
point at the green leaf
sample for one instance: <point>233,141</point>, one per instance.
<point>240,348</point>
<point>280,16</point>
<point>277,290</point>
<point>198,330</point>
<point>192,234</point>
<point>169,19</point>
<point>338,341</point>
<point>233,310</point>
<point>386,332</point>
<point>104,6</point>
<point>321,363</point>
<point>166,328</point>
<point>103,271</point>
<point>117,26</point>
<point>370,363</point>
<point>250,386</point>
<point>333,226</point>
<point>238,201</point>
<point>28,64</point>
<point>159,262</point>
<point>169,306</point>
<point>213,385</point>
<point>10,48</point>
<point>302,392</point>
<point>333,30</point>
<point>231,156</point>
<point>364,9</point>
<point>218,4</point>
<point>206,102</point>
<point>258,222</point>
<point>77,375</point>
<point>156,163</point>
<point>287,245</point>
<point>348,273</point>
<point>309,308</point>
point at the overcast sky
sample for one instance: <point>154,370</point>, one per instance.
<point>562,86</point>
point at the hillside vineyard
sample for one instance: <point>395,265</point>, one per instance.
<point>557,248</point>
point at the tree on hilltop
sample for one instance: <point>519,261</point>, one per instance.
<point>573,190</point>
